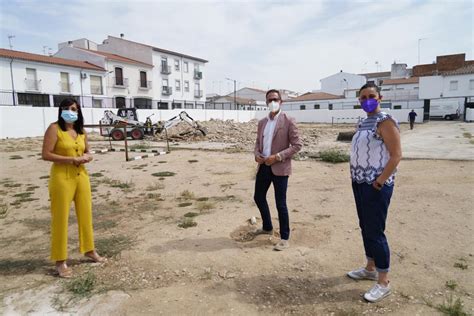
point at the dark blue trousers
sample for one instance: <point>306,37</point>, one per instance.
<point>264,178</point>
<point>372,208</point>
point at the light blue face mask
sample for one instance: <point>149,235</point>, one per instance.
<point>69,116</point>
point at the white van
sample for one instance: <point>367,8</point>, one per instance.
<point>449,109</point>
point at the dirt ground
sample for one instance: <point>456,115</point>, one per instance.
<point>211,266</point>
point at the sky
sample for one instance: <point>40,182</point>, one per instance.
<point>263,44</point>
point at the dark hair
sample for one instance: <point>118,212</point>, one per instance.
<point>273,91</point>
<point>370,85</point>
<point>79,124</point>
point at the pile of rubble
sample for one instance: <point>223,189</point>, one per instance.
<point>242,136</point>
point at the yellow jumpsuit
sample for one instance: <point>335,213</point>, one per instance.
<point>69,183</point>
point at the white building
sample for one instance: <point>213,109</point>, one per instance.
<point>318,101</point>
<point>402,89</point>
<point>128,81</point>
<point>336,84</point>
<point>38,80</point>
<point>178,79</point>
<point>447,83</point>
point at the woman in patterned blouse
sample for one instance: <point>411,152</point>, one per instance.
<point>375,154</point>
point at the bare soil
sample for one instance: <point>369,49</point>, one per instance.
<point>215,267</point>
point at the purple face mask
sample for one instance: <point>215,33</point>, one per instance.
<point>369,105</point>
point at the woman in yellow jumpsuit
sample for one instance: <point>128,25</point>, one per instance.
<point>65,144</point>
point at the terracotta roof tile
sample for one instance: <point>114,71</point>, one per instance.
<point>316,96</point>
<point>163,50</point>
<point>7,53</point>
<point>116,57</point>
<point>467,69</point>
<point>401,81</point>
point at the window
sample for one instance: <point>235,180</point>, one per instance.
<point>96,85</point>
<point>471,84</point>
<point>163,105</point>
<point>96,103</point>
<point>33,99</point>
<point>453,85</point>
<point>317,107</point>
<point>357,94</point>
<point>142,103</point>
<point>31,81</point>
<point>397,107</point>
<point>186,86</point>
<point>330,106</point>
<point>185,66</point>
<point>178,85</point>
<point>165,69</point>
<point>164,82</point>
<point>65,87</point>
<point>57,99</point>
<point>120,102</point>
<point>189,106</point>
<point>176,105</point>
<point>143,81</point>
<point>357,106</point>
<point>118,76</point>
<point>176,64</point>
<point>197,90</point>
<point>302,107</point>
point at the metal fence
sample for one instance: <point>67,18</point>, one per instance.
<point>9,98</point>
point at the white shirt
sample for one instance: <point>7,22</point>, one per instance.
<point>268,135</point>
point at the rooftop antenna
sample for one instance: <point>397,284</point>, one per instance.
<point>10,37</point>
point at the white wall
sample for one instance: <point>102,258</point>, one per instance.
<point>434,87</point>
<point>335,84</point>
<point>469,115</point>
<point>22,121</point>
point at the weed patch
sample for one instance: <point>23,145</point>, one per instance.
<point>334,156</point>
<point>163,174</point>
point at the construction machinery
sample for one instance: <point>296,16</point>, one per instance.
<point>127,119</point>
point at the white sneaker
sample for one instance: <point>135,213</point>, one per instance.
<point>282,245</point>
<point>377,293</point>
<point>363,274</point>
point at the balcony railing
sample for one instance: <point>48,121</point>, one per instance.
<point>66,87</point>
<point>198,93</point>
<point>165,69</point>
<point>144,85</point>
<point>33,85</point>
<point>121,83</point>
<point>197,75</point>
<point>166,90</point>
<point>96,90</point>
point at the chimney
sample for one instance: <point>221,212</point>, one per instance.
<point>122,35</point>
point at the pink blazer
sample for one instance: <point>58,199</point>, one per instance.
<point>286,141</point>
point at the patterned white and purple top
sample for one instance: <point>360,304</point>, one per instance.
<point>369,156</point>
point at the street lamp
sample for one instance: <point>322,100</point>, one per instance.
<point>235,91</point>
<point>419,41</point>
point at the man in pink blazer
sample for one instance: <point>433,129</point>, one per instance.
<point>277,141</point>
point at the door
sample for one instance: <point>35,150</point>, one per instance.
<point>426,110</point>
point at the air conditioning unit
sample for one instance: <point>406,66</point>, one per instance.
<point>83,75</point>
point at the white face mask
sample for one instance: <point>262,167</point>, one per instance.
<point>274,106</point>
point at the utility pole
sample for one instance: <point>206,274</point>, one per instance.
<point>10,37</point>
<point>235,91</point>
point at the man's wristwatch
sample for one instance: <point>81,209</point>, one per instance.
<point>278,157</point>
